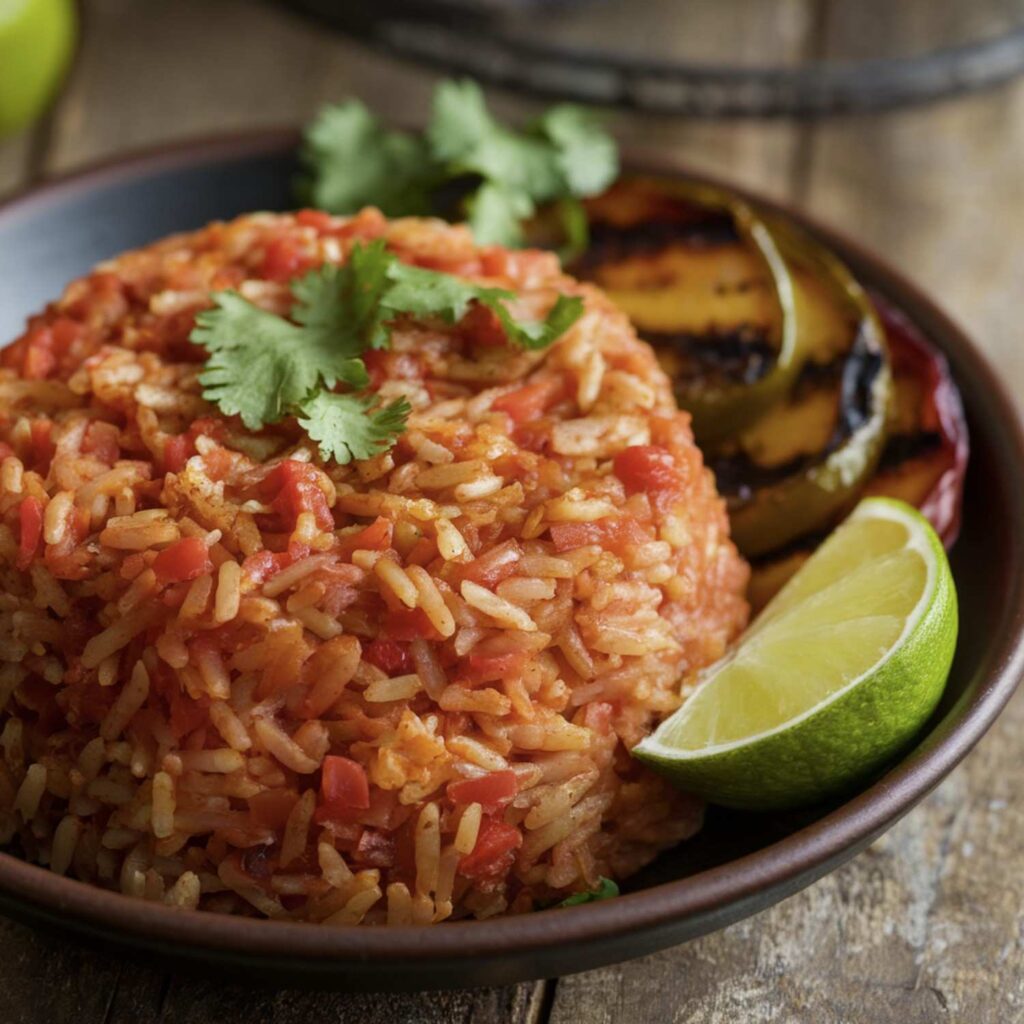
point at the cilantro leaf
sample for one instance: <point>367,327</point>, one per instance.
<point>586,156</point>
<point>459,118</point>
<point>575,226</point>
<point>343,304</point>
<point>537,334</point>
<point>498,176</point>
<point>605,890</point>
<point>463,134</point>
<point>496,213</point>
<point>264,367</point>
<point>346,429</point>
<point>261,364</point>
<point>422,292</point>
<point>352,161</point>
<point>254,370</point>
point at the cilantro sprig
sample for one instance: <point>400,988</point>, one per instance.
<point>606,890</point>
<point>500,176</point>
<point>347,429</point>
<point>264,368</point>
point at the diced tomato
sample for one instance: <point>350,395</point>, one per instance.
<point>176,453</point>
<point>6,451</point>
<point>376,363</point>
<point>264,564</point>
<point>42,346</point>
<point>297,550</point>
<point>481,326</point>
<point>649,469</point>
<point>494,851</point>
<point>485,668</point>
<point>422,552</point>
<point>407,624</point>
<point>65,333</point>
<point>609,532</point>
<point>384,365</point>
<point>208,426</point>
<point>40,360</point>
<point>490,791</point>
<point>30,515</point>
<point>368,223</point>
<point>515,263</point>
<point>344,788</point>
<point>43,448</point>
<point>184,560</point>
<point>598,716</point>
<point>272,807</point>
<point>375,537</point>
<point>295,490</point>
<point>530,401</point>
<point>388,656</point>
<point>101,440</point>
<point>317,219</point>
<point>284,259</point>
<point>496,263</point>
<point>498,564</point>
<point>218,462</point>
<point>180,448</point>
<point>532,436</point>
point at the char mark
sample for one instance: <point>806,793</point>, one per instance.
<point>739,477</point>
<point>613,243</point>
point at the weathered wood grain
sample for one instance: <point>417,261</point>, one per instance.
<point>924,927</point>
<point>14,163</point>
<point>169,69</point>
<point>938,190</point>
<point>45,978</point>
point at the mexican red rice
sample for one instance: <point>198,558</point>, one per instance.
<point>403,690</point>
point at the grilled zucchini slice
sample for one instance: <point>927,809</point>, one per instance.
<point>925,455</point>
<point>701,278</point>
<point>802,465</point>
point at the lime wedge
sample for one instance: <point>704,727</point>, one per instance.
<point>838,672</point>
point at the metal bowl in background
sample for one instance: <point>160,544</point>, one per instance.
<point>681,57</point>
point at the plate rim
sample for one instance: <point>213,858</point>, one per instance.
<point>786,864</point>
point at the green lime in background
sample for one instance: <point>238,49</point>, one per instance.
<point>36,43</point>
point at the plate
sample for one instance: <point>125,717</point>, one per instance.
<point>740,864</point>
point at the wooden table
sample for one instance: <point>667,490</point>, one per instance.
<point>926,925</point>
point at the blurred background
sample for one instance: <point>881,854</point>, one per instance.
<point>928,184</point>
<point>901,123</point>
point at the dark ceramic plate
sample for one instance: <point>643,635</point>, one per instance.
<point>739,865</point>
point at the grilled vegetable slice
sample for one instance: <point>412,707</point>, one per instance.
<point>925,458</point>
<point>802,465</point>
<point>702,279</point>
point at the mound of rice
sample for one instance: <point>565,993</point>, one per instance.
<point>233,677</point>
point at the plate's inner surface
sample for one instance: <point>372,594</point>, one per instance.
<point>52,239</point>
